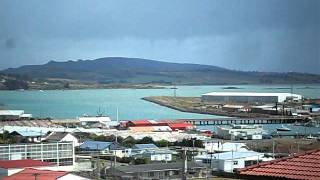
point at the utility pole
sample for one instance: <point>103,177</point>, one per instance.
<point>36,176</point>
<point>273,144</point>
<point>185,164</point>
<point>98,162</point>
<point>117,124</point>
<point>193,139</point>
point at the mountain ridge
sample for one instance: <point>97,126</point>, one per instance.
<point>138,70</point>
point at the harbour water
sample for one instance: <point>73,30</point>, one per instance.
<point>72,103</point>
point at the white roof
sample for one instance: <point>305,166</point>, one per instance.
<point>227,146</point>
<point>72,176</point>
<point>231,155</point>
<point>11,112</point>
<point>94,119</point>
<point>26,115</point>
<point>249,94</point>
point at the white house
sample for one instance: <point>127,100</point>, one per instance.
<point>62,137</point>
<point>105,148</point>
<point>152,152</point>
<point>228,161</point>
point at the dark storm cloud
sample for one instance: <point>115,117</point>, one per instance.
<point>268,35</point>
<point>10,43</point>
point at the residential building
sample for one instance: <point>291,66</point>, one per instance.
<point>9,167</point>
<point>228,161</point>
<point>152,152</point>
<point>297,166</point>
<point>159,171</point>
<point>59,153</point>
<point>28,136</point>
<point>102,147</point>
<point>62,137</point>
<point>248,97</point>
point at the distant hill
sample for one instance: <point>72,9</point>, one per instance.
<point>135,70</point>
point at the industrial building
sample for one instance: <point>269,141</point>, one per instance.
<point>237,132</point>
<point>248,97</point>
<point>14,115</point>
<point>60,153</point>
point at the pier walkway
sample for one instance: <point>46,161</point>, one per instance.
<point>228,121</point>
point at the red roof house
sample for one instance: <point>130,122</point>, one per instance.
<point>32,174</point>
<point>298,166</point>
<point>8,164</point>
<point>9,167</point>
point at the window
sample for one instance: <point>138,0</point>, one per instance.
<point>151,174</point>
<point>235,162</point>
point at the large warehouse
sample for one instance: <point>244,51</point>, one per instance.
<point>248,97</point>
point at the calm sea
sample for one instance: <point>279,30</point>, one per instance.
<point>74,103</point>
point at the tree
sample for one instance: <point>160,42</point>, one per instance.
<point>13,84</point>
<point>111,138</point>
<point>140,161</point>
<point>146,140</point>
<point>162,143</point>
<point>128,142</point>
<point>189,143</point>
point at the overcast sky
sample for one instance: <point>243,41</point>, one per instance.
<point>263,35</point>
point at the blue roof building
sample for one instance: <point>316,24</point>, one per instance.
<point>95,145</point>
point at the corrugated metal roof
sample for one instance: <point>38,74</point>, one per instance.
<point>29,174</point>
<point>30,133</point>
<point>56,136</point>
<point>156,167</point>
<point>231,155</point>
<point>145,146</point>
<point>142,129</point>
<point>141,122</point>
<point>11,112</point>
<point>299,166</point>
<point>180,125</point>
<point>95,145</point>
<point>8,164</point>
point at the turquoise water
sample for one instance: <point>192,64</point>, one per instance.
<point>73,103</point>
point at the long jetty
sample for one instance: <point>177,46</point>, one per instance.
<point>228,121</point>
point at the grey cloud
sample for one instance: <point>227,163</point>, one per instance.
<point>266,35</point>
